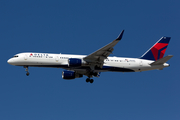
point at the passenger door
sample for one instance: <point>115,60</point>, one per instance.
<point>57,58</point>
<point>25,57</point>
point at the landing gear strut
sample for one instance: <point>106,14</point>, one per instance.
<point>89,80</point>
<point>27,71</point>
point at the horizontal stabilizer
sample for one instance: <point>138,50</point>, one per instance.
<point>162,60</point>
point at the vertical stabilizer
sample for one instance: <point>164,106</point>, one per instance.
<point>158,50</point>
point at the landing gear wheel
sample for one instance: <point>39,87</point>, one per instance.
<point>87,80</point>
<point>27,73</point>
<point>91,81</point>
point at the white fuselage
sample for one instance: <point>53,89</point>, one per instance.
<point>99,61</point>
<point>115,64</point>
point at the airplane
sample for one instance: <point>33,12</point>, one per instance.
<point>99,61</point>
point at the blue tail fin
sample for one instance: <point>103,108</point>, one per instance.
<point>157,51</point>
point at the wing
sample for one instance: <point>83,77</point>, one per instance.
<point>97,57</point>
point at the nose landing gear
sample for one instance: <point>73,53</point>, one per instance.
<point>27,71</point>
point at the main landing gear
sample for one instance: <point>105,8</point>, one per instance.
<point>27,71</point>
<point>89,80</point>
<point>90,74</point>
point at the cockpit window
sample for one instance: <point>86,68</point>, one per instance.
<point>15,56</point>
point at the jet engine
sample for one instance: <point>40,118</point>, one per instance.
<point>70,75</point>
<point>75,62</point>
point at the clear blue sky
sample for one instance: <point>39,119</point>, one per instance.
<point>82,27</point>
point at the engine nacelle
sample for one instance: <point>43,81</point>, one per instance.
<point>70,75</point>
<point>75,62</point>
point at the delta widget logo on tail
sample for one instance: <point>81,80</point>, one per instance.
<point>157,51</point>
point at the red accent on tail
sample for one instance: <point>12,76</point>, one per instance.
<point>156,49</point>
<point>155,53</point>
<point>162,53</point>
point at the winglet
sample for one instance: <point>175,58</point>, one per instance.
<point>120,36</point>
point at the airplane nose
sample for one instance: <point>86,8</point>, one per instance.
<point>10,61</point>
